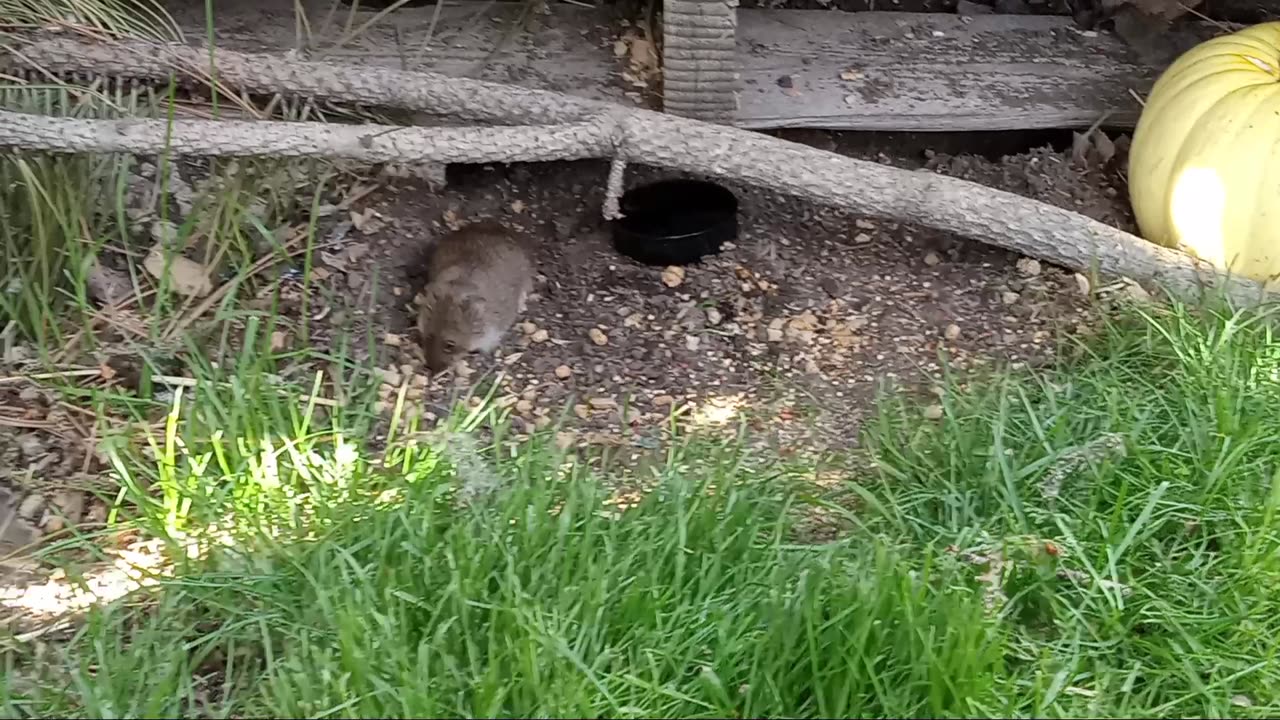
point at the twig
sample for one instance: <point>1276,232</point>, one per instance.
<point>517,26</point>
<point>349,35</point>
<point>55,375</point>
<point>177,381</point>
<point>431,33</point>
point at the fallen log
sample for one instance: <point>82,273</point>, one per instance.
<point>571,128</point>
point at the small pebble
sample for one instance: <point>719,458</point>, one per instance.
<point>598,337</point>
<point>540,336</point>
<point>564,372</point>
<point>933,412</point>
<point>672,276</point>
<point>1082,284</point>
<point>1137,292</point>
<point>1009,297</point>
<point>952,332</point>
<point>1029,267</point>
<point>932,258</point>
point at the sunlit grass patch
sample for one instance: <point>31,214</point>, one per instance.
<point>1146,474</point>
<point>403,596</point>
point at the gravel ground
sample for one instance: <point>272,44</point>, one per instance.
<point>794,327</point>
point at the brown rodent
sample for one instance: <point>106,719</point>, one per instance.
<point>479,279</point>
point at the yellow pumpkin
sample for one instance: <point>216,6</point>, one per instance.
<point>1204,166</point>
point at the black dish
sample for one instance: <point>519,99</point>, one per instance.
<point>675,222</point>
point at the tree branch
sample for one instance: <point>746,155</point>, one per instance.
<point>460,98</point>
<point>555,127</point>
<point>365,143</point>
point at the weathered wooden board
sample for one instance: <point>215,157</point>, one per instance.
<point>569,50</point>
<point>901,71</point>
<point>799,68</point>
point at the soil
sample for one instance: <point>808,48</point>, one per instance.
<point>795,326</point>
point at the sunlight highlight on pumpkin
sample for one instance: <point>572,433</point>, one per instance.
<point>1197,211</point>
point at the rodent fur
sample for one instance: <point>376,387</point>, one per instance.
<point>479,277</point>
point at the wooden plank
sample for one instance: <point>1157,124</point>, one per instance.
<point>932,72</point>
<point>846,71</point>
<point>569,50</point>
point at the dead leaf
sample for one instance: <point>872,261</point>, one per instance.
<point>633,79</point>
<point>106,372</point>
<point>357,251</point>
<point>185,276</point>
<point>279,339</point>
<point>1079,148</point>
<point>643,57</point>
<point>366,222</point>
<point>1106,149</point>
<point>333,260</point>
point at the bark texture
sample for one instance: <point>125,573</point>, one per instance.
<point>554,126</point>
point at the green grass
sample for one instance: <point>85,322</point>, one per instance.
<point>360,585</point>
<point>1170,539</point>
<point>535,601</point>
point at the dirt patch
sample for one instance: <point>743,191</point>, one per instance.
<point>795,327</point>
<point>48,466</point>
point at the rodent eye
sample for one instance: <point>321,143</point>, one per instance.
<point>449,346</point>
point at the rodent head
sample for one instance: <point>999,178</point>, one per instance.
<point>447,327</point>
